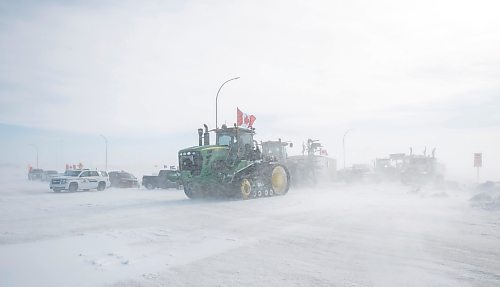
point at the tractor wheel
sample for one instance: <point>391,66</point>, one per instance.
<point>280,180</point>
<point>245,188</point>
<point>190,192</point>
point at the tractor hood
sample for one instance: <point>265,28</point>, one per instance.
<point>204,148</point>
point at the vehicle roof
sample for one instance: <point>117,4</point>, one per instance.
<point>118,172</point>
<point>222,129</point>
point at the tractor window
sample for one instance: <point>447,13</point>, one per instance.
<point>246,139</point>
<point>225,140</point>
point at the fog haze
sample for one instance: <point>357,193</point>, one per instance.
<point>400,74</point>
<point>122,87</point>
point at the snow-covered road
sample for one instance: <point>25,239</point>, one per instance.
<point>381,235</point>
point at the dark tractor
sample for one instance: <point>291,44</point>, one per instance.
<point>422,170</point>
<point>232,168</point>
<point>313,166</point>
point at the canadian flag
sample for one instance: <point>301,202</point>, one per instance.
<point>244,120</point>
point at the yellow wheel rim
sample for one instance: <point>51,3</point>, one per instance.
<point>279,180</point>
<point>245,188</point>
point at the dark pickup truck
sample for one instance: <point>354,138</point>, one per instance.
<point>162,180</point>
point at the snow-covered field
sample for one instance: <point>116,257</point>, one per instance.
<point>360,235</point>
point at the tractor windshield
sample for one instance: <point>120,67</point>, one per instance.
<point>230,137</point>
<point>225,139</point>
<point>271,149</point>
<point>245,139</point>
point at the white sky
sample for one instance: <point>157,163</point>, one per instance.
<point>401,73</point>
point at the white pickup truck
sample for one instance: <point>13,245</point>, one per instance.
<point>74,180</point>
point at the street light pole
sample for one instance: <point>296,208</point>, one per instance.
<point>60,160</point>
<point>343,143</point>
<point>106,143</point>
<point>216,100</point>
<point>36,149</point>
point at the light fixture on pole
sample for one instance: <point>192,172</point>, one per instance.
<point>216,100</point>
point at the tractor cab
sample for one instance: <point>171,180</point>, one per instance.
<point>239,140</point>
<point>275,150</point>
<point>234,136</point>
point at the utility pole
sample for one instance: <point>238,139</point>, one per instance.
<point>343,144</point>
<point>59,155</point>
<point>36,149</point>
<point>216,100</point>
<point>478,163</point>
<point>106,143</point>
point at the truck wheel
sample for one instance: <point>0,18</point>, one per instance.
<point>101,186</point>
<point>149,186</point>
<point>73,187</point>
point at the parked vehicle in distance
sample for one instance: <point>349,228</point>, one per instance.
<point>47,175</point>
<point>35,174</point>
<point>123,179</point>
<point>358,173</point>
<point>74,180</point>
<point>162,180</point>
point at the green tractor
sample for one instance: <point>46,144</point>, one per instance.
<point>232,168</point>
<point>275,150</point>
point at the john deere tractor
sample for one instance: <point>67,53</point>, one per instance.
<point>275,150</point>
<point>232,168</point>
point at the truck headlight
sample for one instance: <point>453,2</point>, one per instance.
<point>63,181</point>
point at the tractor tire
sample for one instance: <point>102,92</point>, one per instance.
<point>245,188</point>
<point>190,193</point>
<point>280,180</point>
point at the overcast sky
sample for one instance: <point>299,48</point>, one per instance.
<point>145,74</point>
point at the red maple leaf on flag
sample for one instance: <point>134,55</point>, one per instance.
<point>243,119</point>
